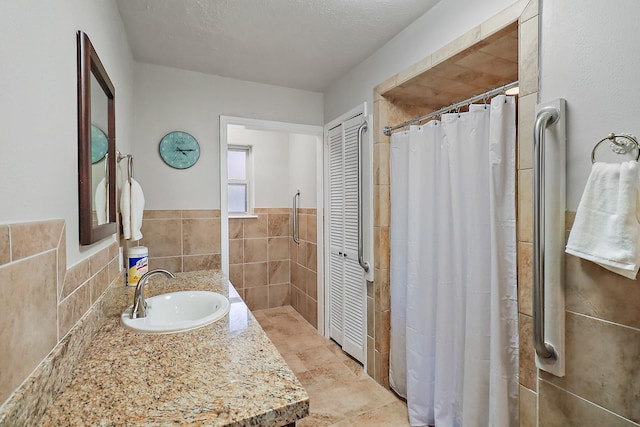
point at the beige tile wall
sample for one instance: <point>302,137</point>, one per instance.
<point>259,261</point>
<point>261,253</point>
<point>182,240</point>
<point>40,300</point>
<point>378,293</point>
<point>528,74</point>
<point>304,267</point>
<point>601,385</point>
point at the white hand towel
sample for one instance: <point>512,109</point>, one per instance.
<point>101,201</point>
<point>137,209</point>
<point>606,229</point>
<point>125,209</point>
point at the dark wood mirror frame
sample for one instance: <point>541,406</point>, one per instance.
<point>89,64</point>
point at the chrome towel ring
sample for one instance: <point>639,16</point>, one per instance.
<point>618,147</point>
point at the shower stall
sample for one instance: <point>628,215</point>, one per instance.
<point>269,261</point>
<point>452,342</point>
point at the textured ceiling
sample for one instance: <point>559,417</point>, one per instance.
<point>303,44</point>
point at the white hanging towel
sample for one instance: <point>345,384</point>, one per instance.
<point>606,229</point>
<point>132,209</point>
<point>101,201</point>
<point>137,209</point>
<point>125,209</point>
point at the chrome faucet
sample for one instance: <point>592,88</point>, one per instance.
<point>139,304</point>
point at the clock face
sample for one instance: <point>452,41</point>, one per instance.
<point>99,144</point>
<point>179,150</point>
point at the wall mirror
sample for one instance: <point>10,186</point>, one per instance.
<point>96,146</point>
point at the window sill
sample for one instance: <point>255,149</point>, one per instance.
<point>243,216</point>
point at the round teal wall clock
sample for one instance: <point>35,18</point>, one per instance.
<point>99,144</point>
<point>179,150</point>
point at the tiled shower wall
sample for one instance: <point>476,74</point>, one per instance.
<point>304,267</point>
<point>259,257</point>
<point>40,300</point>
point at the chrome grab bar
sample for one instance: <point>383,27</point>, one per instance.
<point>296,234</point>
<point>363,263</point>
<point>545,117</point>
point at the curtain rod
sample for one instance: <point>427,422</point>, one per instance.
<point>485,95</point>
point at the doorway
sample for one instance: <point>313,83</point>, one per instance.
<point>263,164</point>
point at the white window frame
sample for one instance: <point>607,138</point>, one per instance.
<point>248,181</point>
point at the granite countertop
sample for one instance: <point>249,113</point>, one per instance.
<point>224,374</point>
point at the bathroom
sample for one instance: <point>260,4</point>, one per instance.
<point>582,51</point>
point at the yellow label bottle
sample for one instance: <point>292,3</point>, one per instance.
<point>137,264</point>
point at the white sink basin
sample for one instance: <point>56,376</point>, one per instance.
<point>178,311</point>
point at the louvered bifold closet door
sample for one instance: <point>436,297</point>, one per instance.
<point>347,292</point>
<point>336,235</point>
<point>354,284</point>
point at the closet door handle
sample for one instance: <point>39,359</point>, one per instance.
<point>296,235</point>
<point>365,265</point>
<point>545,117</point>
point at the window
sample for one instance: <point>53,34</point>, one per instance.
<point>239,179</point>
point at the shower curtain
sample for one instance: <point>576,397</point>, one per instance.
<point>454,344</point>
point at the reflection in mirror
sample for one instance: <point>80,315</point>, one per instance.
<point>96,146</point>
<point>99,158</point>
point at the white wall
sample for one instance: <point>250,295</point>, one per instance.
<point>302,169</point>
<point>445,22</point>
<point>590,55</point>
<point>38,106</point>
<point>282,164</point>
<point>168,99</point>
<point>270,154</point>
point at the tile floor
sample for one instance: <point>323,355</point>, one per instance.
<point>341,394</point>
